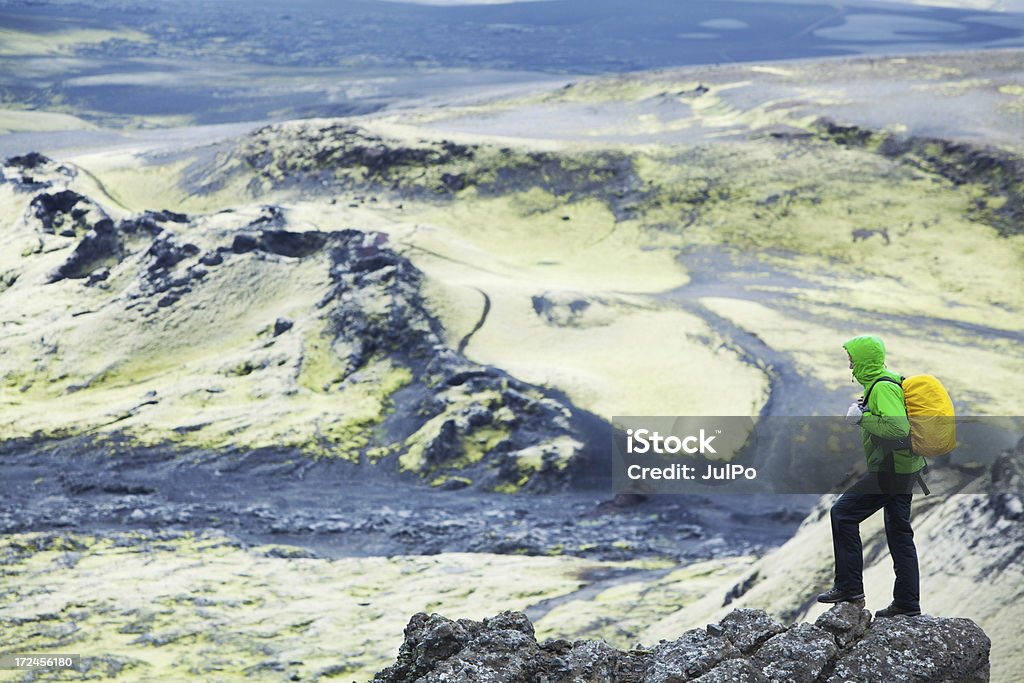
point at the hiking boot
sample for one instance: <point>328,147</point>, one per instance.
<point>894,610</point>
<point>838,595</point>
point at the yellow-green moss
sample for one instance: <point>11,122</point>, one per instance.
<point>480,442</point>
<point>175,605</point>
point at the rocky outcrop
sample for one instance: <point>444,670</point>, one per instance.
<point>921,649</point>
<point>1000,172</point>
<point>33,171</point>
<point>99,243</point>
<point>376,308</point>
<point>348,156</point>
<point>100,247</point>
<point>65,213</point>
<point>501,648</point>
<point>318,158</point>
<point>747,646</point>
<point>561,312</point>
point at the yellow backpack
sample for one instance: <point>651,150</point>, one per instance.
<point>930,410</point>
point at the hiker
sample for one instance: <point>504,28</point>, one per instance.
<point>892,472</point>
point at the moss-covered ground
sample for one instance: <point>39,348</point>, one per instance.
<point>167,606</point>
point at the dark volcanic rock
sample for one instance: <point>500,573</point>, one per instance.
<point>733,671</point>
<point>149,222</point>
<point>344,158</point>
<point>99,247</point>
<point>101,244</point>
<point>847,622</point>
<point>501,648</point>
<point>917,648</point>
<point>64,213</point>
<point>445,446</point>
<point>270,217</point>
<point>296,244</point>
<point>747,629</point>
<point>281,242</point>
<point>166,215</point>
<point>69,214</point>
<point>694,654</point>
<point>34,171</point>
<point>504,648</point>
<point>288,155</point>
<point>282,325</point>
<point>163,254</point>
<point>363,270</point>
<point>560,311</point>
<point>797,656</point>
<point>26,162</point>
<point>376,308</point>
<point>243,244</point>
<point>213,258</point>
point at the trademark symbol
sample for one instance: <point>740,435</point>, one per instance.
<point>718,431</point>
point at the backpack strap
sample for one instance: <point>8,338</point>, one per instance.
<point>887,445</point>
<point>883,378</point>
<point>890,445</point>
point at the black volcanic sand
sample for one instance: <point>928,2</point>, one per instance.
<point>337,509</point>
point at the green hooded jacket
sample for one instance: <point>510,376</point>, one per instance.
<point>886,414</point>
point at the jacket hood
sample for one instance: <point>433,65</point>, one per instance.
<point>868,355</point>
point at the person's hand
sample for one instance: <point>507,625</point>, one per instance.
<point>855,413</point>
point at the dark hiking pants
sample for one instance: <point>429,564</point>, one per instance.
<point>862,500</point>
